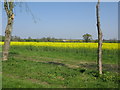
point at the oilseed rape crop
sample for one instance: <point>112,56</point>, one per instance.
<point>109,46</point>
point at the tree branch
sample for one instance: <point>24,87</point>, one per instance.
<point>6,7</point>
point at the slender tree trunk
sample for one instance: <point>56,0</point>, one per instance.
<point>9,11</point>
<point>99,61</point>
<point>7,39</point>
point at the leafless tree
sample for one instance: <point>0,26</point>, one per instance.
<point>99,61</point>
<point>8,6</point>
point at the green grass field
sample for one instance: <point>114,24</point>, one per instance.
<point>50,67</point>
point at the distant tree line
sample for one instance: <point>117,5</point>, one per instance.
<point>49,39</point>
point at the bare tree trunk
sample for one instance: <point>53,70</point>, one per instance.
<point>99,61</point>
<point>9,11</point>
<point>7,39</point>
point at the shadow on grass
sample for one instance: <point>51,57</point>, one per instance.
<point>56,63</point>
<point>90,66</point>
<point>106,67</point>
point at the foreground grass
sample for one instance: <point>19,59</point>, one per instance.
<point>48,67</point>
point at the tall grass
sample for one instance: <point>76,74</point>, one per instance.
<point>79,54</point>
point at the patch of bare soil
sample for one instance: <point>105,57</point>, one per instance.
<point>87,65</point>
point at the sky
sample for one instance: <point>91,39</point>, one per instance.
<point>66,20</point>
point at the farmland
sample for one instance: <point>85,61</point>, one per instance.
<point>60,65</point>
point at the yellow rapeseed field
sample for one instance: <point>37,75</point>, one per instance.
<point>70,45</point>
